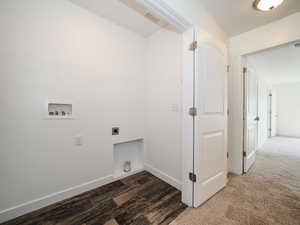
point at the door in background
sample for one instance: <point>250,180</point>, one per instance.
<point>270,115</point>
<point>274,114</point>
<point>250,118</point>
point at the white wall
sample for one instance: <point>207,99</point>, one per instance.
<point>163,110</point>
<point>288,109</point>
<point>274,34</point>
<point>54,49</point>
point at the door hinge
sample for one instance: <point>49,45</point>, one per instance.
<point>245,70</point>
<point>193,45</point>
<point>228,68</point>
<point>244,154</point>
<point>192,177</point>
<point>227,155</point>
<point>193,111</point>
<point>228,112</point>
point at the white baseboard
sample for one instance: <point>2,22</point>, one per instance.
<point>36,204</point>
<point>286,136</point>
<point>168,179</point>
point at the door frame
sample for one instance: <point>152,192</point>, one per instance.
<point>237,52</point>
<point>244,111</point>
<point>188,121</point>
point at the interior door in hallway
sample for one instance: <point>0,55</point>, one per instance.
<point>210,156</point>
<point>250,118</point>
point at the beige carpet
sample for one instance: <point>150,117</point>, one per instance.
<point>268,195</point>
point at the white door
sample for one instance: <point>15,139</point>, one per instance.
<point>210,152</point>
<point>250,118</point>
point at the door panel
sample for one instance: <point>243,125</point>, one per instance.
<point>213,92</point>
<point>251,116</point>
<point>210,123</point>
<point>212,154</point>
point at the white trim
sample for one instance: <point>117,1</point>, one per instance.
<point>39,203</point>
<point>161,9</point>
<point>163,176</point>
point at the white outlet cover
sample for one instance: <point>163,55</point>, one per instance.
<point>175,108</point>
<point>78,140</point>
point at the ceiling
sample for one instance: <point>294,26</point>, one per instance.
<point>238,16</point>
<point>126,13</point>
<point>277,65</point>
<point>234,16</point>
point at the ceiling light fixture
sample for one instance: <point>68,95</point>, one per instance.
<point>266,5</point>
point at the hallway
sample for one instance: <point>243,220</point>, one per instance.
<point>268,195</point>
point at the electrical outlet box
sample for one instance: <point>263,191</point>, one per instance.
<point>115,131</point>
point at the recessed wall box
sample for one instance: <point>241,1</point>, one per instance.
<point>59,110</point>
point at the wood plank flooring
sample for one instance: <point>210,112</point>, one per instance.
<point>141,199</point>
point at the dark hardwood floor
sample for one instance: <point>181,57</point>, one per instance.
<point>141,199</point>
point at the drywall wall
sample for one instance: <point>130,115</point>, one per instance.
<point>288,109</point>
<point>271,35</point>
<point>164,105</point>
<point>54,49</point>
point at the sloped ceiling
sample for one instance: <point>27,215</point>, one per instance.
<point>125,13</point>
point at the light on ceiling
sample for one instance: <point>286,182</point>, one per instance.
<point>266,5</point>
